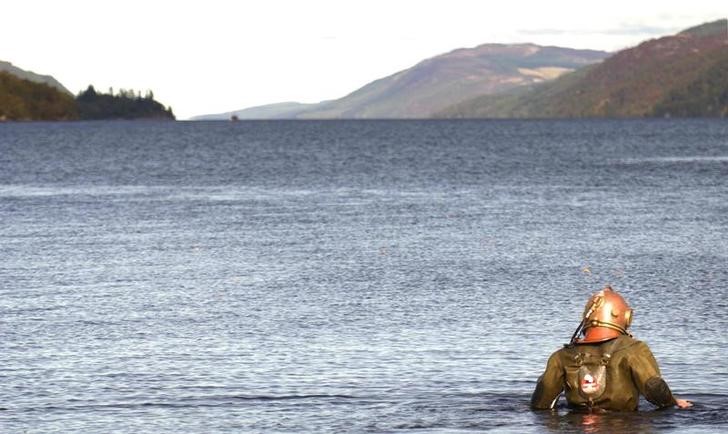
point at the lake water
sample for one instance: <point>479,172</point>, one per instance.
<point>351,276</point>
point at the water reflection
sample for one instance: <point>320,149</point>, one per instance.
<point>608,422</point>
<point>707,415</point>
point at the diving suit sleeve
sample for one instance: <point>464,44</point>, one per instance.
<point>646,375</point>
<point>549,385</point>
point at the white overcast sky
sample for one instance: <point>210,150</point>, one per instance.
<point>209,56</point>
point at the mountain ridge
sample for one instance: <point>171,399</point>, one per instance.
<point>634,82</point>
<point>438,82</point>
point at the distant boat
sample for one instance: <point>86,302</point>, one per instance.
<point>234,118</point>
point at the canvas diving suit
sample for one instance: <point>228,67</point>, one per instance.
<point>603,376</point>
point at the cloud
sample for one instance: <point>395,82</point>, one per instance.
<point>621,30</point>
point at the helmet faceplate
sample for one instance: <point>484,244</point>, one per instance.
<point>607,315</point>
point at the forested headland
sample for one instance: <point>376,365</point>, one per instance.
<point>25,100</point>
<point>125,104</point>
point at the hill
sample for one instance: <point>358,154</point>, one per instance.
<point>680,75</point>
<point>22,100</point>
<point>32,76</point>
<point>269,111</point>
<point>439,82</point>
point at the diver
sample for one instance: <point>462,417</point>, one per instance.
<point>607,369</point>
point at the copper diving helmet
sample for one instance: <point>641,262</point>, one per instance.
<point>606,316</point>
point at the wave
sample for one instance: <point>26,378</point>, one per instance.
<point>673,160</point>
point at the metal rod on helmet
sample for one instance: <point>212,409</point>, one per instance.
<point>582,323</point>
<point>578,330</point>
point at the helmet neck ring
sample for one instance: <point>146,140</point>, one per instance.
<point>609,325</point>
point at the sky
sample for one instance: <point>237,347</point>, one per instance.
<point>212,56</point>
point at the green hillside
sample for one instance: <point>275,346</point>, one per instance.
<point>22,100</point>
<point>680,75</point>
<point>32,76</point>
<point>706,96</point>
